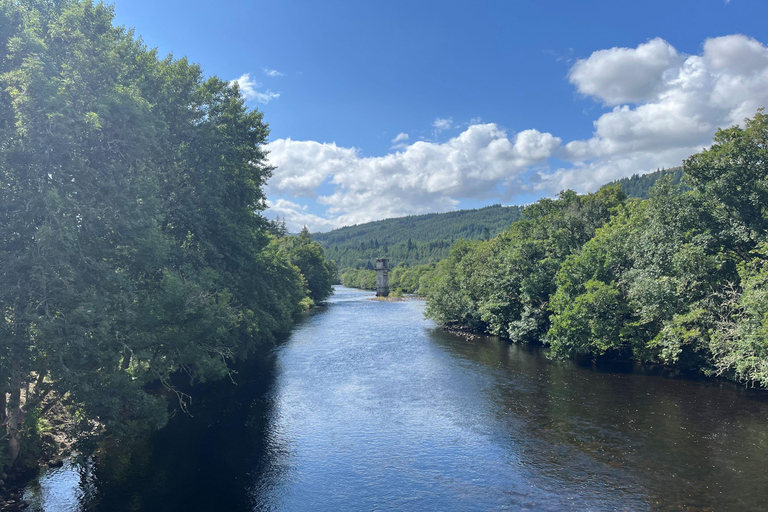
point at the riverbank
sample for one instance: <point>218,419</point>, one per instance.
<point>47,446</point>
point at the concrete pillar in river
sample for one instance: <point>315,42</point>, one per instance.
<point>382,277</point>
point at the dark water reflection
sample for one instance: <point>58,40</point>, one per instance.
<point>369,407</point>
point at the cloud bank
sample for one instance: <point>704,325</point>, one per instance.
<point>424,177</point>
<point>668,110</point>
<point>660,106</point>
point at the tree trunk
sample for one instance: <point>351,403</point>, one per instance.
<point>14,434</point>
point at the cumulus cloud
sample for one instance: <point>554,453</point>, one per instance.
<point>302,166</point>
<point>249,89</point>
<point>423,177</point>
<point>273,73</point>
<point>666,106</point>
<point>625,75</point>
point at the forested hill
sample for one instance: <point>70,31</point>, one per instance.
<point>421,239</point>
<point>414,239</point>
<point>458,224</point>
<point>639,185</point>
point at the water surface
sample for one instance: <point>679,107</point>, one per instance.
<point>368,406</point>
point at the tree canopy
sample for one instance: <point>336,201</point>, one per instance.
<point>131,244</point>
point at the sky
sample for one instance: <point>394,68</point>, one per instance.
<point>386,109</point>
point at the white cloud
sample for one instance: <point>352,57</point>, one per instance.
<point>249,89</point>
<point>401,141</point>
<point>424,177</point>
<point>442,124</point>
<point>625,75</point>
<point>273,73</point>
<point>736,54</point>
<point>679,102</point>
<point>302,166</point>
<point>400,138</point>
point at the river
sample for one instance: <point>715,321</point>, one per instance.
<point>367,406</point>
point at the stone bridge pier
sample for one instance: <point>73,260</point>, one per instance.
<point>382,277</point>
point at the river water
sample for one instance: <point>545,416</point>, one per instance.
<point>367,406</point>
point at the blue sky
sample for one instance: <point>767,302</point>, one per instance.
<point>381,109</point>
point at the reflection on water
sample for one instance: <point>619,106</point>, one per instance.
<point>59,488</point>
<point>672,444</point>
<point>370,407</point>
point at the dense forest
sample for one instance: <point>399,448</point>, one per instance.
<point>677,279</point>
<point>413,240</point>
<point>133,254</point>
<point>639,185</point>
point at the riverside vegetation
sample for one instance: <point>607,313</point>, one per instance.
<point>134,259</point>
<point>679,278</point>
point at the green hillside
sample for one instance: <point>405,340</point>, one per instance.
<point>639,185</point>
<point>415,239</point>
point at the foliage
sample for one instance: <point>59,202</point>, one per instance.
<point>740,342</point>
<point>359,278</point>
<point>733,176</point>
<point>641,287</point>
<point>401,278</point>
<point>132,244</point>
<point>502,286</point>
<point>308,256</point>
<point>425,239</point>
<point>678,278</point>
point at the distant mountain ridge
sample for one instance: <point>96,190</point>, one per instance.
<point>422,239</point>
<point>430,226</point>
<point>639,185</point>
<point>415,239</point>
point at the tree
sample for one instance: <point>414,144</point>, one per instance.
<point>733,173</point>
<point>740,342</point>
<point>308,257</point>
<point>503,286</point>
<point>640,288</point>
<point>131,242</point>
<point>677,279</point>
